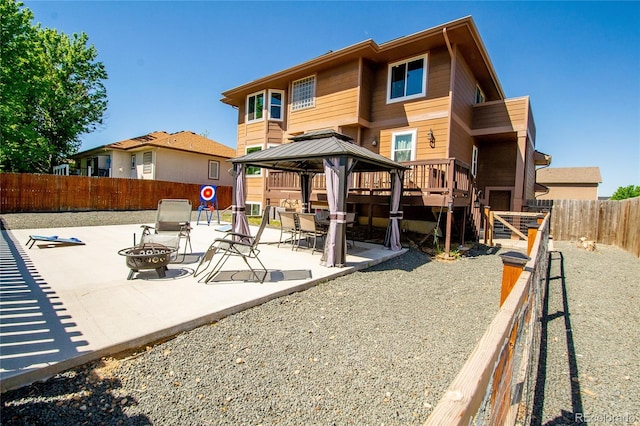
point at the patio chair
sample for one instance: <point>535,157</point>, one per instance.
<point>173,224</point>
<point>288,225</point>
<point>234,244</point>
<point>309,229</point>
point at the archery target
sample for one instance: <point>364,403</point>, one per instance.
<point>207,193</point>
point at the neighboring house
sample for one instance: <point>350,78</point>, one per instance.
<point>431,100</point>
<point>569,183</point>
<point>177,157</point>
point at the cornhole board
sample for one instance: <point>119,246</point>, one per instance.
<point>55,240</point>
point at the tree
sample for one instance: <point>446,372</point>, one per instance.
<point>624,192</point>
<point>51,89</point>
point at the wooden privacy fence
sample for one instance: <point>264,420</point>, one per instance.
<point>496,384</point>
<point>24,192</point>
<point>614,223</point>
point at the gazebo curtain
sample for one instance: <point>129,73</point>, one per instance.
<point>392,236</point>
<point>337,171</point>
<point>240,223</point>
<point>305,186</point>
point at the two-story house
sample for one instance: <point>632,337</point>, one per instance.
<point>177,157</point>
<point>430,100</point>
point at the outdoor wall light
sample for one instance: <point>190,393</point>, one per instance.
<point>432,139</point>
<point>374,142</point>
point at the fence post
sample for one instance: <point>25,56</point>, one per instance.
<point>512,264</point>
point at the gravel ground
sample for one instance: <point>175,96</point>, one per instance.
<point>379,346</point>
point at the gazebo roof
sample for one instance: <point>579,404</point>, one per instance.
<point>307,152</point>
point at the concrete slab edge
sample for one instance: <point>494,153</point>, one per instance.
<point>45,373</point>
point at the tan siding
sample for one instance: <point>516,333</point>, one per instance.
<point>461,143</point>
<point>464,92</point>
<point>336,98</point>
<point>423,149</point>
<point>510,113</point>
<point>530,178</point>
<point>570,192</point>
<point>496,164</point>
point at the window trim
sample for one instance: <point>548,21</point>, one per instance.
<point>312,103</point>
<point>481,93</point>
<point>217,175</point>
<point>255,120</point>
<point>133,161</point>
<point>414,138</point>
<point>422,93</point>
<point>474,161</point>
<point>281,106</point>
<point>246,151</point>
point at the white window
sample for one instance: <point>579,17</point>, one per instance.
<point>407,79</point>
<point>255,107</point>
<point>303,93</point>
<point>253,209</point>
<point>147,158</point>
<point>403,146</point>
<point>250,170</point>
<point>474,161</point>
<point>480,98</point>
<point>133,161</point>
<point>214,167</point>
<point>276,101</point>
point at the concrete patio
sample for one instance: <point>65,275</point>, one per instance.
<point>64,306</point>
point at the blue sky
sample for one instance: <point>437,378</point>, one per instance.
<point>169,62</point>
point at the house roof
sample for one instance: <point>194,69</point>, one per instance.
<point>568,175</point>
<point>181,141</point>
<point>307,152</point>
<point>462,32</point>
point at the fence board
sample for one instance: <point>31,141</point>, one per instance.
<point>614,223</point>
<point>24,192</point>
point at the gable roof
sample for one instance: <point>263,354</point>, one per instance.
<point>568,175</point>
<point>307,152</point>
<point>461,32</point>
<point>181,141</point>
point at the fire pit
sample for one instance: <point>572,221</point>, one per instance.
<point>148,256</point>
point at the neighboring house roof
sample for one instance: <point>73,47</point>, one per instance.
<point>461,32</point>
<point>570,175</point>
<point>181,141</point>
<point>307,152</point>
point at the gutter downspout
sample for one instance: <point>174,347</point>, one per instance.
<point>446,40</point>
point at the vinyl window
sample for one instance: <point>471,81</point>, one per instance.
<point>276,101</point>
<point>407,79</point>
<point>251,170</point>
<point>214,169</point>
<point>403,146</point>
<point>147,159</point>
<point>255,107</point>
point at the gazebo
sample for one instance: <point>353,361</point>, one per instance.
<point>335,155</point>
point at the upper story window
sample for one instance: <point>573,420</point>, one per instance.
<point>251,170</point>
<point>474,161</point>
<point>255,107</point>
<point>276,101</point>
<point>303,93</point>
<point>403,146</point>
<point>480,98</point>
<point>407,79</point>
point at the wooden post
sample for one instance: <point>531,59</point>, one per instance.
<point>532,232</point>
<point>513,262</point>
<point>485,217</point>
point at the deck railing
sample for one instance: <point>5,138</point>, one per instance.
<point>495,385</point>
<point>432,177</point>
